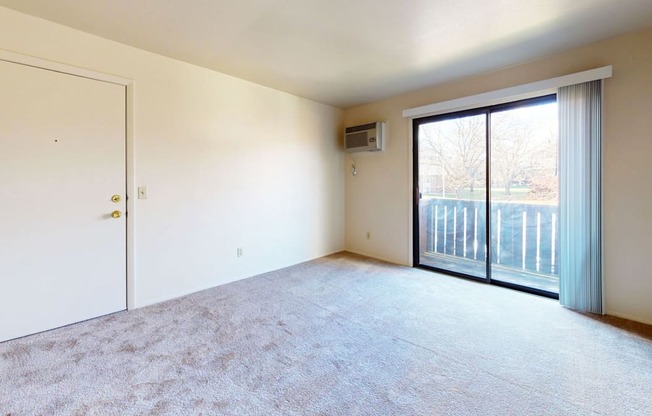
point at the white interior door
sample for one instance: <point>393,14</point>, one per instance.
<point>62,158</point>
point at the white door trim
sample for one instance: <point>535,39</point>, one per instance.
<point>130,146</point>
<point>59,67</point>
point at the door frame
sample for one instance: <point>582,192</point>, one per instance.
<point>487,110</point>
<point>130,174</point>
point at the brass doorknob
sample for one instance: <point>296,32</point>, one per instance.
<point>116,214</point>
<point>115,198</point>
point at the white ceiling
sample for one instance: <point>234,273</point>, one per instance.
<point>348,52</point>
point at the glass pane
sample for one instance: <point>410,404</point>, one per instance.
<point>452,208</point>
<point>524,197</point>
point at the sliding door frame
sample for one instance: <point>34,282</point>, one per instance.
<point>487,111</point>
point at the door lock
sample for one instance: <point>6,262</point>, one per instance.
<point>115,198</point>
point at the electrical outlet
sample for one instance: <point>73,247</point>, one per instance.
<point>368,235</point>
<point>240,252</point>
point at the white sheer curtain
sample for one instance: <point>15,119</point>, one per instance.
<point>580,281</point>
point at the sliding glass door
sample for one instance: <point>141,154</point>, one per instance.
<point>512,147</point>
<point>452,185</point>
<point>523,196</point>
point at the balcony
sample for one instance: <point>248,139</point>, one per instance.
<point>523,239</point>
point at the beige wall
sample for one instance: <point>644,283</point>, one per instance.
<point>378,199</point>
<point>227,163</point>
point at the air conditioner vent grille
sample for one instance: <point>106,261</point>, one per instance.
<point>364,127</point>
<point>356,140</point>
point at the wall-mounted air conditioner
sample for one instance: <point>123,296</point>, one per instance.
<point>364,138</point>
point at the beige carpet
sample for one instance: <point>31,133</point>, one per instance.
<point>342,335</point>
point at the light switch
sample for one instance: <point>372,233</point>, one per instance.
<point>142,192</point>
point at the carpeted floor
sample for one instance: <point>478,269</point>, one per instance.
<point>342,335</point>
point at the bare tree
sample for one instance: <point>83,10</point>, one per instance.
<point>453,152</point>
<point>513,150</point>
<point>544,182</point>
<point>456,148</point>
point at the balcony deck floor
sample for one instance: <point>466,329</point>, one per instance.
<point>477,268</point>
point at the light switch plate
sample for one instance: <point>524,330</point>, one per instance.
<point>142,192</point>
